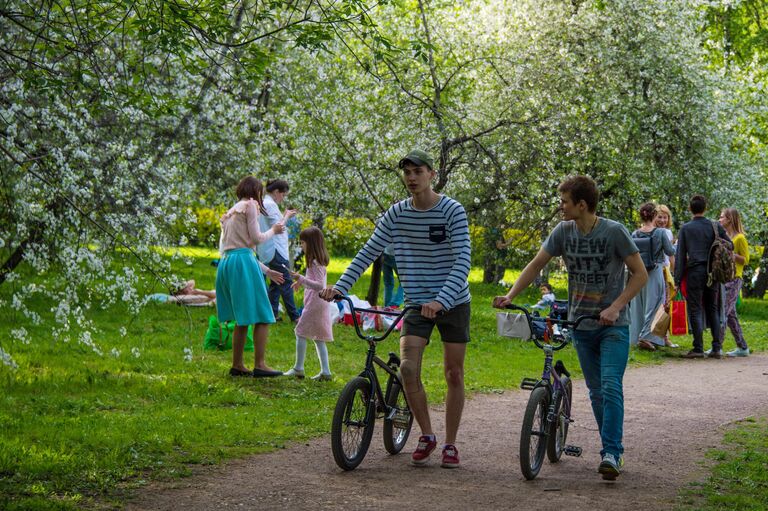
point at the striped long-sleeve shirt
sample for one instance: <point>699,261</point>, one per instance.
<point>432,252</point>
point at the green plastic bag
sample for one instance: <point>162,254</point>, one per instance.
<point>219,337</point>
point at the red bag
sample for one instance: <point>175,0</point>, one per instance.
<point>347,319</point>
<point>678,312</point>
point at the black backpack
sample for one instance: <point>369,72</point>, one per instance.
<point>645,245</point>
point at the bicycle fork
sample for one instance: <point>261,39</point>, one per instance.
<point>552,416</point>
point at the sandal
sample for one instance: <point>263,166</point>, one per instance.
<point>645,345</point>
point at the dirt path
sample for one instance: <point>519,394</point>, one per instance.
<point>675,413</point>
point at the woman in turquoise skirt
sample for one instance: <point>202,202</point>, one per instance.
<point>241,293</point>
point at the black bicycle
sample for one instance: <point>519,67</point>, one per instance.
<point>362,400</point>
<point>548,413</point>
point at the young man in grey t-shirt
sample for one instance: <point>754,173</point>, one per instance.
<point>596,251</point>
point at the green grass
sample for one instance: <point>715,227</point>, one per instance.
<point>79,427</point>
<point>739,479</point>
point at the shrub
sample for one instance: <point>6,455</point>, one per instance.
<point>207,226</point>
<point>516,255</point>
<point>346,236</point>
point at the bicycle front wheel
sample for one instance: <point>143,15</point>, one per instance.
<point>353,421</point>
<point>559,429</point>
<point>533,436</point>
<point>398,427</point>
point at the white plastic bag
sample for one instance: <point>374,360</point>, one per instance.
<point>512,325</point>
<point>371,321</point>
<point>333,312</point>
<point>387,320</point>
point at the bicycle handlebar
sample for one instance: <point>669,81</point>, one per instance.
<point>564,322</point>
<point>354,310</point>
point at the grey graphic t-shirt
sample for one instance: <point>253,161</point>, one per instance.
<point>595,264</point>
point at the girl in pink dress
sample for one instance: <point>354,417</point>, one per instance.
<point>315,321</point>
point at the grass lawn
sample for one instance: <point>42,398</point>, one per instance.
<point>739,479</point>
<point>79,426</point>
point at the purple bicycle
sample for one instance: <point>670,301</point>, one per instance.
<point>548,413</point>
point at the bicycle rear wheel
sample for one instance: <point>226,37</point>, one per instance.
<point>559,429</point>
<point>397,429</point>
<point>353,421</point>
<point>533,436</point>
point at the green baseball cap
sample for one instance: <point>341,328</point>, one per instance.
<point>418,157</point>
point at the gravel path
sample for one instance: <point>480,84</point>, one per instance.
<point>675,412</point>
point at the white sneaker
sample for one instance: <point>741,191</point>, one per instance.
<point>739,352</point>
<point>610,466</point>
<point>298,373</point>
<point>708,352</point>
<point>322,377</point>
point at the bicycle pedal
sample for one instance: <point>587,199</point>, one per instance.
<point>572,450</point>
<point>528,383</point>
<point>400,418</point>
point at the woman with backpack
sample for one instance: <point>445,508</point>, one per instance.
<point>653,244</point>
<point>731,221</point>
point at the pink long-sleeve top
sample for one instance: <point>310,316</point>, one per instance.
<point>315,321</point>
<point>240,227</point>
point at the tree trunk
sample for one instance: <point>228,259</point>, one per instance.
<point>761,286</point>
<point>489,270</point>
<point>13,261</point>
<point>545,274</point>
<point>373,290</point>
<point>17,256</point>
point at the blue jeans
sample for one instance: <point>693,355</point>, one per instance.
<point>388,271</point>
<point>603,355</point>
<point>284,289</point>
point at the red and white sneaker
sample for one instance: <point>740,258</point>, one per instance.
<point>450,457</point>
<point>421,455</point>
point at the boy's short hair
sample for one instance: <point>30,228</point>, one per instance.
<point>698,204</point>
<point>547,285</point>
<point>581,188</point>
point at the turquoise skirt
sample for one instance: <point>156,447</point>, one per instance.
<point>241,293</point>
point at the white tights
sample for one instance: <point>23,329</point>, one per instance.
<point>322,354</point>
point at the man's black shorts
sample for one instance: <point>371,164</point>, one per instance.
<point>453,325</point>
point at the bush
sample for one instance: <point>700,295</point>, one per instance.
<point>346,236</point>
<point>755,255</point>
<point>208,227</point>
<point>516,255</point>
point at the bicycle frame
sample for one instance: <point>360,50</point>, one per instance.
<point>372,359</point>
<point>369,372</point>
<point>554,385</point>
<point>548,412</point>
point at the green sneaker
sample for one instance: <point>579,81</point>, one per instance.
<point>611,467</point>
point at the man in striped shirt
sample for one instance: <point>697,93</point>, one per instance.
<point>430,234</point>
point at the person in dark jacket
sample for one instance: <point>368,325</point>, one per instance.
<point>694,241</point>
